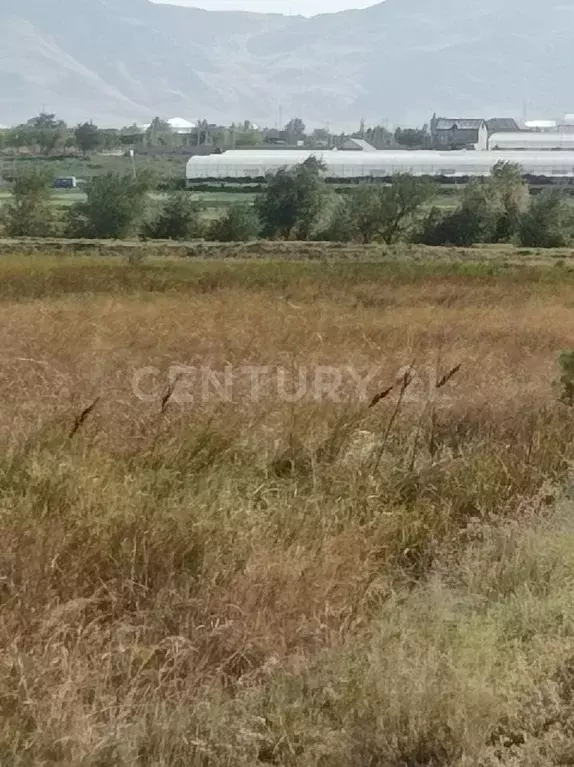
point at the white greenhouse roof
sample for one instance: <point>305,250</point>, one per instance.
<point>528,140</point>
<point>255,164</point>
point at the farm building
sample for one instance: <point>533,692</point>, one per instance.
<point>459,133</point>
<point>248,164</point>
<point>526,140</point>
<point>502,125</point>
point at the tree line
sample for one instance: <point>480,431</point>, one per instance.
<point>297,204</point>
<point>46,134</point>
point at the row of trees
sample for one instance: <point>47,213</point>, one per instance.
<point>117,207</point>
<point>501,209</point>
<point>46,134</point>
<point>297,204</point>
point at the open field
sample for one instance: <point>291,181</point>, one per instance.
<point>261,569</point>
<point>162,166</point>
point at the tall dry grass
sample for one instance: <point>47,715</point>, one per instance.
<point>312,583</point>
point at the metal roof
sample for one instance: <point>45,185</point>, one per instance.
<point>444,123</point>
<point>502,125</point>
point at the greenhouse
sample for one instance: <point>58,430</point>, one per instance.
<point>254,164</point>
<point>543,142</point>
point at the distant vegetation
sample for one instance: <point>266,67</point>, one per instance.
<point>297,204</point>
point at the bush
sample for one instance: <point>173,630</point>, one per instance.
<point>377,212</point>
<point>179,219</point>
<point>292,202</point>
<point>114,209</point>
<point>547,223</point>
<point>339,226</point>
<point>240,223</point>
<point>465,226</point>
<point>512,199</point>
<point>29,214</point>
<point>490,211</point>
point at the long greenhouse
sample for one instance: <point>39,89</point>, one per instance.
<point>254,164</point>
<point>525,140</point>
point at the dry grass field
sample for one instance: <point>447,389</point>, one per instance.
<point>211,576</point>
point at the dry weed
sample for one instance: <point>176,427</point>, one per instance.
<point>269,582</point>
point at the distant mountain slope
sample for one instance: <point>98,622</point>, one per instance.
<point>125,60</point>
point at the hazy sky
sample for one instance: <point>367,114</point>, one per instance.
<point>303,7</point>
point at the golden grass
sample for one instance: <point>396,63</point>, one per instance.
<point>316,583</point>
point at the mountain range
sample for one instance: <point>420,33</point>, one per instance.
<point>124,61</point>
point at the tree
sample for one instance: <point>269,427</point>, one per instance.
<point>340,226</point>
<point>292,201</point>
<point>379,137</point>
<point>114,207</point>
<point>364,212</point>
<point>400,202</point>
<point>45,131</point>
<point>88,137</point>
<point>320,136</point>
<point>413,138</point>
<point>490,211</point>
<point>29,213</point>
<point>385,212</point>
<point>179,219</point>
<point>512,197</point>
<point>239,224</point>
<point>547,223</point>
<point>159,133</point>
<point>475,220</point>
<point>131,135</point>
<point>295,129</point>
<point>464,226</point>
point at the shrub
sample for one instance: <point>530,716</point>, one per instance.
<point>490,211</point>
<point>400,202</point>
<point>465,226</point>
<point>29,213</point>
<point>239,223</point>
<point>178,219</point>
<point>339,226</point>
<point>292,201</point>
<point>547,223</point>
<point>114,209</point>
<point>512,197</point>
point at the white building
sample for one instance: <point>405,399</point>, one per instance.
<point>179,125</point>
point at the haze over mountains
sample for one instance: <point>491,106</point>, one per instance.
<point>120,61</point>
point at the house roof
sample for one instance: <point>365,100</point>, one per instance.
<point>360,143</point>
<point>179,122</point>
<point>444,123</point>
<point>502,125</point>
